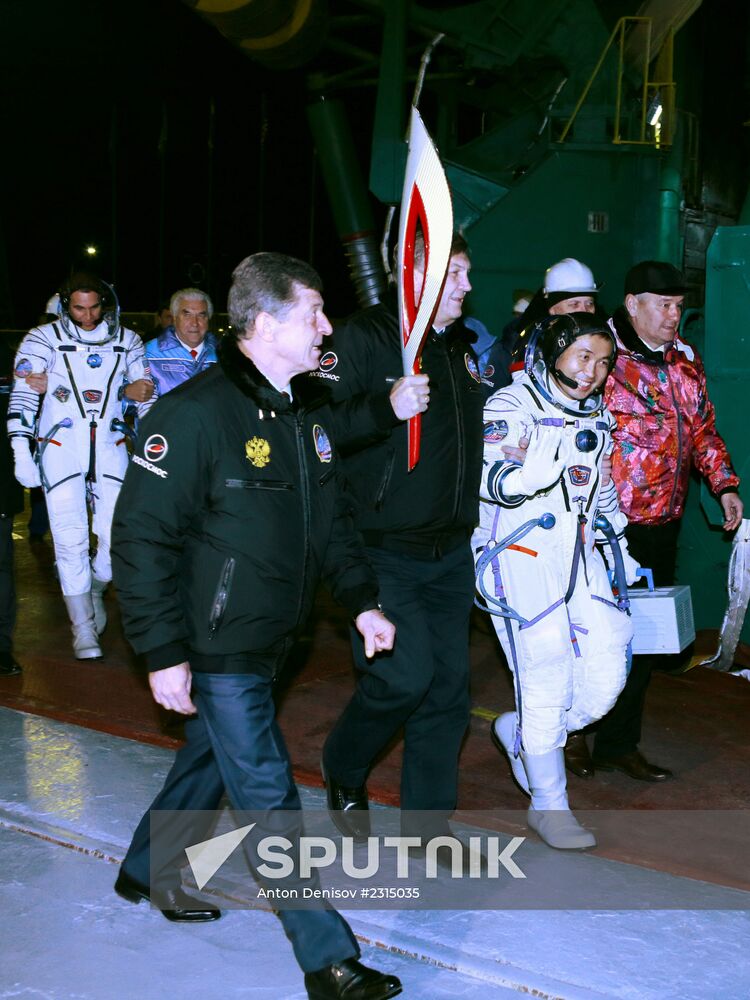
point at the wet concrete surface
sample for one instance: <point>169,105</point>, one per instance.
<point>70,797</point>
<point>85,749</point>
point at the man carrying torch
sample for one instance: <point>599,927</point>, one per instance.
<point>416,509</point>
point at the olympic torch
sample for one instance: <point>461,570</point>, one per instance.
<point>425,205</point>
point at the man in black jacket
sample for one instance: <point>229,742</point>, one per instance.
<point>230,513</point>
<point>11,502</point>
<point>416,527</point>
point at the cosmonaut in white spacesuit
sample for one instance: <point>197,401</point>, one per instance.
<point>90,362</point>
<point>563,631</point>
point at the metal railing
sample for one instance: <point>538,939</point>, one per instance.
<point>657,95</point>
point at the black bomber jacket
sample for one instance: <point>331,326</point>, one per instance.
<point>435,506</point>
<point>231,511</point>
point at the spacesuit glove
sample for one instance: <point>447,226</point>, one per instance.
<point>26,470</point>
<point>541,468</point>
<point>631,566</point>
<point>629,563</point>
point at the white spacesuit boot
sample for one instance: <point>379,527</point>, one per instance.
<point>504,735</point>
<point>548,813</point>
<point>98,588</point>
<point>81,613</point>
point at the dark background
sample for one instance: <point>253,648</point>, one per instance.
<point>89,92</point>
<point>109,138</point>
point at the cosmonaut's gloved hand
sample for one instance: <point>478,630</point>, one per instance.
<point>631,566</point>
<point>541,468</point>
<point>26,469</point>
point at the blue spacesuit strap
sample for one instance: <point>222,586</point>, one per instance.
<point>577,556</point>
<point>496,574</point>
<point>500,593</point>
<point>542,614</point>
<point>603,600</point>
<point>574,638</point>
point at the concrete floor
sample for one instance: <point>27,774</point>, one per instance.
<point>70,797</point>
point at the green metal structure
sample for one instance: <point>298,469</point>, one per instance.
<point>725,347</point>
<point>538,108</point>
<point>557,122</point>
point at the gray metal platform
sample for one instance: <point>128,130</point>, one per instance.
<point>70,797</point>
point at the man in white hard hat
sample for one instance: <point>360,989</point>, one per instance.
<point>569,286</point>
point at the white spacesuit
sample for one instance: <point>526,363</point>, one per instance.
<point>80,459</point>
<point>562,632</point>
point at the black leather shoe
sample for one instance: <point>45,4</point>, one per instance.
<point>175,904</point>
<point>577,757</point>
<point>8,665</point>
<point>348,807</point>
<point>634,765</point>
<point>350,980</point>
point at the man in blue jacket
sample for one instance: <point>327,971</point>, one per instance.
<point>187,347</point>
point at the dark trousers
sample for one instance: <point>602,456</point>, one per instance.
<point>38,518</point>
<point>619,732</point>
<point>422,685</point>
<point>7,585</point>
<point>234,744</point>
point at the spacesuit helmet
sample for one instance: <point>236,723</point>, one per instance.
<point>561,331</point>
<point>550,338</point>
<point>88,283</point>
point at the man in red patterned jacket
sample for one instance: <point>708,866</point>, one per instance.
<point>665,425</point>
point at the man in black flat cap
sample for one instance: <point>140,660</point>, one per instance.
<point>665,426</point>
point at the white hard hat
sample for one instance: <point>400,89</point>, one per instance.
<point>569,275</point>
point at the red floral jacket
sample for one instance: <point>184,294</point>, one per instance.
<point>665,424</point>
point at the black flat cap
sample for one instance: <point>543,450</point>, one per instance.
<point>655,276</point>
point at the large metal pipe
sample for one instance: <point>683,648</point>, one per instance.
<point>348,197</point>
<point>670,205</point>
<point>670,242</point>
